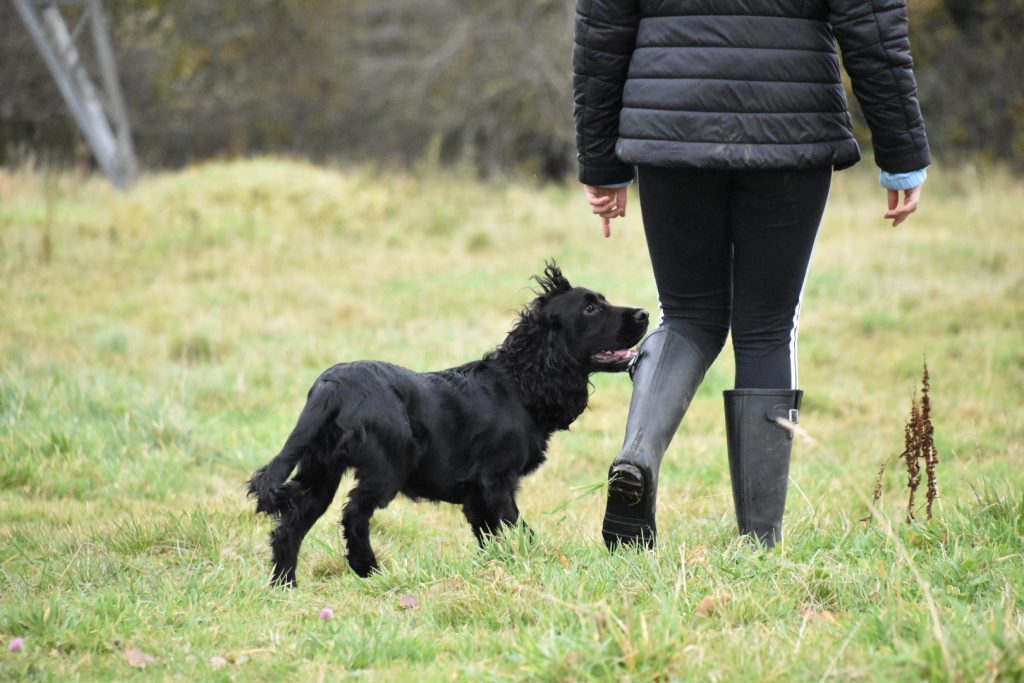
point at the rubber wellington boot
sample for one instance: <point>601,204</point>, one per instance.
<point>666,376</point>
<point>759,452</point>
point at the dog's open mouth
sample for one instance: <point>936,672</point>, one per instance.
<point>622,356</point>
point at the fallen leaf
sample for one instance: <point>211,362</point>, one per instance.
<point>706,606</point>
<point>710,603</point>
<point>562,558</point>
<point>408,601</point>
<point>138,658</point>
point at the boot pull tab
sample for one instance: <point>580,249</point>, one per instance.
<point>784,417</point>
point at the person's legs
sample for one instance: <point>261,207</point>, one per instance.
<point>686,219</point>
<point>775,218</point>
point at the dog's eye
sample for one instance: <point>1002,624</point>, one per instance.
<point>591,309</point>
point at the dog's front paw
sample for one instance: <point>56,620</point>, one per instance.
<point>363,565</point>
<point>285,579</point>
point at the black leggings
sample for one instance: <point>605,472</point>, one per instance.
<point>731,248</point>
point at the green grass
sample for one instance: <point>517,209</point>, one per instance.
<point>156,347</point>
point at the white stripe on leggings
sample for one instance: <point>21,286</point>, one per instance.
<point>794,379</point>
<point>794,382</point>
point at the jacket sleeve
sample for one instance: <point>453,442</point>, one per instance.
<point>605,34</point>
<point>872,36</point>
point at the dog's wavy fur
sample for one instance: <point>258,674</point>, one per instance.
<point>465,435</point>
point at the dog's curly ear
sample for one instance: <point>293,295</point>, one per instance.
<point>548,376</point>
<point>552,280</point>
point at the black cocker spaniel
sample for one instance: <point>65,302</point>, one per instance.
<point>466,435</point>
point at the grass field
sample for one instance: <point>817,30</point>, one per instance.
<point>156,347</point>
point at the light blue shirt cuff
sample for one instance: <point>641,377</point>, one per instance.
<point>617,185</point>
<point>902,181</point>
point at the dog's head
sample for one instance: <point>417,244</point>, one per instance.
<point>598,336</point>
<point>561,337</point>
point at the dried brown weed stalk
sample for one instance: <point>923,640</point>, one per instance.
<point>918,448</point>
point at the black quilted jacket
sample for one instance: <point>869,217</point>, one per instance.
<point>741,84</point>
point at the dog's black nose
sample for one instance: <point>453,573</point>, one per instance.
<point>640,316</point>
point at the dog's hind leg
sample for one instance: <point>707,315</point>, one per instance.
<point>374,490</point>
<point>318,486</point>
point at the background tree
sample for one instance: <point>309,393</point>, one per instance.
<point>486,85</point>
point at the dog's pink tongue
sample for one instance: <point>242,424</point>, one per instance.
<point>621,354</point>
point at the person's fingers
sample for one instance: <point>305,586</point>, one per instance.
<point>902,217</point>
<point>608,203</point>
<point>907,209</point>
<point>895,212</point>
<point>911,200</point>
<point>897,215</point>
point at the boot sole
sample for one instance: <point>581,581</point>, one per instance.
<point>628,519</point>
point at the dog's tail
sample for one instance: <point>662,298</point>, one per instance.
<point>269,485</point>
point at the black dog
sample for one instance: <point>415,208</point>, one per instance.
<point>465,435</point>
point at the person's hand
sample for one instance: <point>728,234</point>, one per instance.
<point>898,213</point>
<point>608,203</point>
